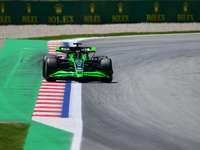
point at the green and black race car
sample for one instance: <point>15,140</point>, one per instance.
<point>77,65</point>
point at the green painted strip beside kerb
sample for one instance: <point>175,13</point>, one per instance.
<point>20,81</point>
<point>42,137</point>
<point>20,78</point>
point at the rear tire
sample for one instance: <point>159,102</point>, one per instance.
<point>106,68</point>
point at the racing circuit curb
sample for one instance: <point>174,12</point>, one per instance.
<point>66,101</point>
<point>71,118</point>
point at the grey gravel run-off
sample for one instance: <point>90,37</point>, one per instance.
<point>154,100</point>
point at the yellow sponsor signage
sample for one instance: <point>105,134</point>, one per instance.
<point>28,8</point>
<point>60,19</point>
<point>156,7</point>
<point>4,19</point>
<point>92,8</point>
<point>120,7</point>
<point>156,17</point>
<point>29,18</point>
<point>58,8</point>
<point>92,18</point>
<point>185,17</point>
<point>119,17</point>
<point>2,8</point>
<point>185,7</point>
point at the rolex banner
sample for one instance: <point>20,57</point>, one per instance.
<point>98,12</point>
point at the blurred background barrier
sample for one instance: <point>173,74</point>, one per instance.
<point>98,12</point>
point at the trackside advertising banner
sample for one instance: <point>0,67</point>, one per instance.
<point>96,12</point>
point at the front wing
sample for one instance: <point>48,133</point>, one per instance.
<point>70,75</point>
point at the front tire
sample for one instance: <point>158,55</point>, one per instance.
<point>51,79</point>
<point>49,67</point>
<point>44,62</point>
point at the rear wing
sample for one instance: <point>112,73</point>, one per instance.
<point>75,49</point>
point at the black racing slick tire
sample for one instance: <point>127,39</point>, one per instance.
<point>50,66</point>
<point>51,79</point>
<point>44,63</point>
<point>106,68</point>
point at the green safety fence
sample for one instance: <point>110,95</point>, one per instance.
<point>98,12</point>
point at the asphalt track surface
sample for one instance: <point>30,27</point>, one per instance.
<point>153,102</point>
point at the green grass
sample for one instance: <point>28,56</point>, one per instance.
<point>60,37</point>
<point>13,136</point>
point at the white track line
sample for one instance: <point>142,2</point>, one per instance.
<point>75,112</point>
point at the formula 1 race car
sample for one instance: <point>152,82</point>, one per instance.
<point>77,65</point>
